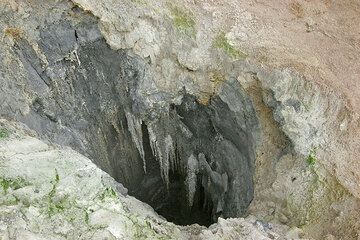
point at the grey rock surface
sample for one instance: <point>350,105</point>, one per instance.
<point>101,102</point>
<point>52,192</point>
<point>216,103</point>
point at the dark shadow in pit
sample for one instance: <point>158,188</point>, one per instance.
<point>83,95</point>
<point>170,203</point>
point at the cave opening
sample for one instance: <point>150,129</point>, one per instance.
<point>211,170</point>
<point>199,159</point>
<point>170,201</point>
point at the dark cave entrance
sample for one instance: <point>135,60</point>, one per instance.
<point>222,164</point>
<point>170,202</point>
<point>214,141</point>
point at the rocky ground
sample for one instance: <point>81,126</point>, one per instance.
<point>118,81</point>
<point>49,192</point>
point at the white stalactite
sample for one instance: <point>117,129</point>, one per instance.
<point>191,170</point>
<point>134,126</point>
<point>170,152</point>
<point>157,146</point>
<point>163,149</point>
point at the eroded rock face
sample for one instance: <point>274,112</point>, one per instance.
<point>208,153</point>
<point>206,102</point>
<point>93,99</point>
<point>56,193</point>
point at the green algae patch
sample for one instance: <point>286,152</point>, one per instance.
<point>7,183</point>
<point>311,159</point>
<point>143,229</point>
<point>55,206</point>
<point>86,217</point>
<point>107,193</point>
<point>222,43</point>
<point>183,20</point>
<point>4,133</point>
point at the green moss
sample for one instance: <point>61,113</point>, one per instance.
<point>221,42</point>
<point>183,21</point>
<point>12,183</point>
<point>4,133</point>
<point>311,159</point>
<point>57,177</point>
<point>55,207</point>
<point>86,217</point>
<point>9,200</point>
<point>142,229</point>
<point>13,201</point>
<point>108,193</point>
<point>72,219</point>
<point>54,184</point>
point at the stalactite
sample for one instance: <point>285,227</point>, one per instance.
<point>152,138</point>
<point>134,126</point>
<point>191,179</point>
<point>163,149</point>
<point>158,149</point>
<point>170,152</point>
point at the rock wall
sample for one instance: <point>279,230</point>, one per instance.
<point>90,97</point>
<point>131,84</point>
<point>48,192</point>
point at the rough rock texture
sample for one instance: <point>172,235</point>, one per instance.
<point>103,102</point>
<point>291,118</point>
<point>238,28</point>
<point>55,193</point>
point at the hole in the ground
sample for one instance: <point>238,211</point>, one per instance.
<point>208,162</point>
<point>199,160</point>
<point>171,201</point>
